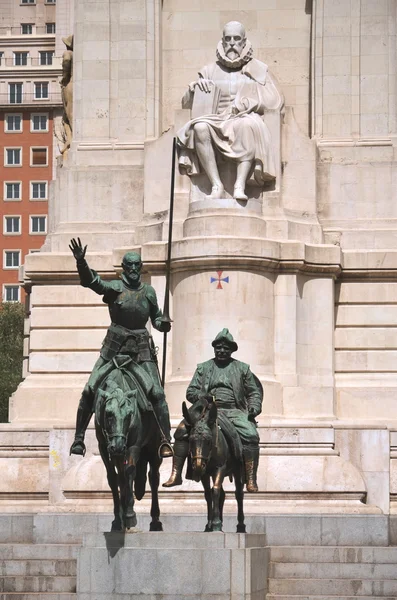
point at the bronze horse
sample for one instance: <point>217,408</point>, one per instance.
<point>128,440</point>
<point>212,458</point>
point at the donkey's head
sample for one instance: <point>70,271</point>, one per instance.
<point>118,410</point>
<point>200,439</point>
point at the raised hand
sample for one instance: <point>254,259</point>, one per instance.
<point>77,249</point>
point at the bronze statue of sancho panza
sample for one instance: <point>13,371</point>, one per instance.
<point>238,394</point>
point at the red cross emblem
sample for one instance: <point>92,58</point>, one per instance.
<point>219,280</point>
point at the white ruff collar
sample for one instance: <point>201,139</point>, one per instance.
<point>238,62</point>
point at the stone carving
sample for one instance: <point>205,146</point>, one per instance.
<point>228,102</point>
<point>67,91</point>
<point>238,395</point>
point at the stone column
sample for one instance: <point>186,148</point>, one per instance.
<point>116,107</point>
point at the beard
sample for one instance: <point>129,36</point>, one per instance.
<point>234,63</point>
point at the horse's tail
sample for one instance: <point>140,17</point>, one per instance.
<point>141,476</point>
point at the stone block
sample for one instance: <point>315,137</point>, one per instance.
<point>70,317</point>
<point>62,362</point>
<point>197,570</point>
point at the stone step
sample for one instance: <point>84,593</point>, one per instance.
<point>333,587</point>
<point>37,583</point>
<point>38,566</point>
<point>37,596</point>
<point>334,570</point>
<point>306,597</point>
<point>334,554</point>
<point>38,551</point>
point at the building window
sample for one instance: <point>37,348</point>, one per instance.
<point>38,157</point>
<point>1,57</point>
<point>38,190</point>
<point>50,27</point>
<point>46,58</point>
<point>41,91</point>
<point>12,225</point>
<point>13,123</point>
<point>50,1</point>
<point>13,157</point>
<point>38,224</point>
<point>11,259</point>
<point>11,293</point>
<point>28,1</point>
<point>26,28</point>
<point>21,59</point>
<point>39,122</point>
<point>12,190</point>
<point>15,92</point>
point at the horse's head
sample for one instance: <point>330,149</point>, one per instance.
<point>200,439</point>
<point>118,410</point>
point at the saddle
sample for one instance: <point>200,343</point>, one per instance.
<point>229,431</point>
<point>231,435</point>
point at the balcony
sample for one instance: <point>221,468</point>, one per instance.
<point>9,64</point>
<point>28,99</point>
<point>17,31</point>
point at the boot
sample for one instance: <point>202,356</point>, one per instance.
<point>163,420</point>
<point>251,460</point>
<point>84,414</point>
<point>181,450</point>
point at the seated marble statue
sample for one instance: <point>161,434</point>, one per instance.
<point>242,90</point>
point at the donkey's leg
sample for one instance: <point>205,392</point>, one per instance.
<point>206,481</point>
<point>216,494</point>
<point>117,524</point>
<point>239,493</point>
<point>221,503</point>
<point>154,480</point>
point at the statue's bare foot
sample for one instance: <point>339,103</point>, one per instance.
<point>217,191</point>
<point>239,193</point>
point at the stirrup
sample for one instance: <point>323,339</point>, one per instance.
<point>78,447</point>
<point>165,449</point>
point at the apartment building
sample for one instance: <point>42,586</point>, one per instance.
<point>30,99</point>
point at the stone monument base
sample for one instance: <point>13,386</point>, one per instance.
<point>172,566</point>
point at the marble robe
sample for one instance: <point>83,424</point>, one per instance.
<point>238,131</point>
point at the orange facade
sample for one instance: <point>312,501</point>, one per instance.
<point>24,188</point>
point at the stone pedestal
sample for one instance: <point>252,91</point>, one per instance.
<point>172,566</point>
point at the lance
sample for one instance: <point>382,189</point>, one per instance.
<point>166,310</point>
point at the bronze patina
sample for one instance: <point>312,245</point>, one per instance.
<point>238,394</point>
<point>128,439</point>
<point>212,456</point>
<point>131,304</point>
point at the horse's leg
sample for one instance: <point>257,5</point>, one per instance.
<point>117,524</point>
<point>206,481</point>
<point>216,494</point>
<point>239,493</point>
<point>120,468</point>
<point>154,480</point>
<point>130,473</point>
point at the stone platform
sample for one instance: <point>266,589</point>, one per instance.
<point>280,530</point>
<point>172,566</point>
<point>315,557</point>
